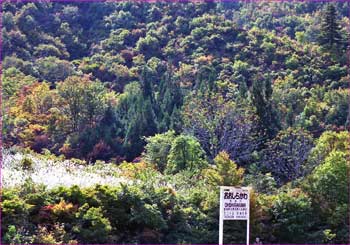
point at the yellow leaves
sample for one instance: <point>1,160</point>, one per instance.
<point>28,134</point>
<point>63,208</point>
<point>204,59</point>
<point>111,98</point>
<point>55,235</point>
<point>46,238</point>
<point>225,172</point>
<point>14,206</point>
<point>34,103</point>
<point>186,73</point>
<point>322,106</point>
<point>296,192</point>
<point>133,170</point>
<point>120,71</point>
<point>138,59</point>
<point>256,211</point>
<point>37,129</point>
<point>212,176</point>
<point>37,99</point>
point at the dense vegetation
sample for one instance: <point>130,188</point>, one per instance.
<point>177,99</point>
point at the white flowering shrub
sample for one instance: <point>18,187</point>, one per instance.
<point>53,172</point>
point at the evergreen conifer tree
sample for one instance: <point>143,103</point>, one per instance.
<point>330,36</point>
<point>261,98</point>
<point>169,100</point>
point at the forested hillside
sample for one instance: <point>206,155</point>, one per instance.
<point>121,119</point>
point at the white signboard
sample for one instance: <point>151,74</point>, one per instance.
<point>234,205</point>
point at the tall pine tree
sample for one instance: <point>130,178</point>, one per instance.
<point>330,36</point>
<point>169,101</point>
<point>261,98</point>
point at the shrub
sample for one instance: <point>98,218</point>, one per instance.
<point>12,236</point>
<point>185,153</point>
<point>292,216</point>
<point>55,235</point>
<point>93,227</point>
<point>101,151</point>
<point>225,173</point>
<point>64,211</point>
<point>157,149</point>
<point>27,163</point>
<point>14,212</point>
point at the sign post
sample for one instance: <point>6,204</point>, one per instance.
<point>234,205</point>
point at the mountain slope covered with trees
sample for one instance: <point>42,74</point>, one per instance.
<point>175,99</point>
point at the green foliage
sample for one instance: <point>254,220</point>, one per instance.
<point>225,172</point>
<point>328,142</point>
<point>329,180</point>
<point>13,81</point>
<point>330,35</point>
<point>157,149</point>
<point>93,226</point>
<point>291,214</point>
<point>261,98</point>
<point>171,60</point>
<point>150,216</point>
<point>177,84</point>
<point>290,100</point>
<point>185,153</point>
<point>52,69</point>
<point>84,101</point>
<point>12,236</point>
<point>55,235</point>
<point>262,183</point>
<point>328,186</point>
<point>328,236</point>
<point>27,163</point>
<point>15,212</point>
<point>170,100</point>
<point>148,46</point>
<point>44,50</point>
<point>325,110</point>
